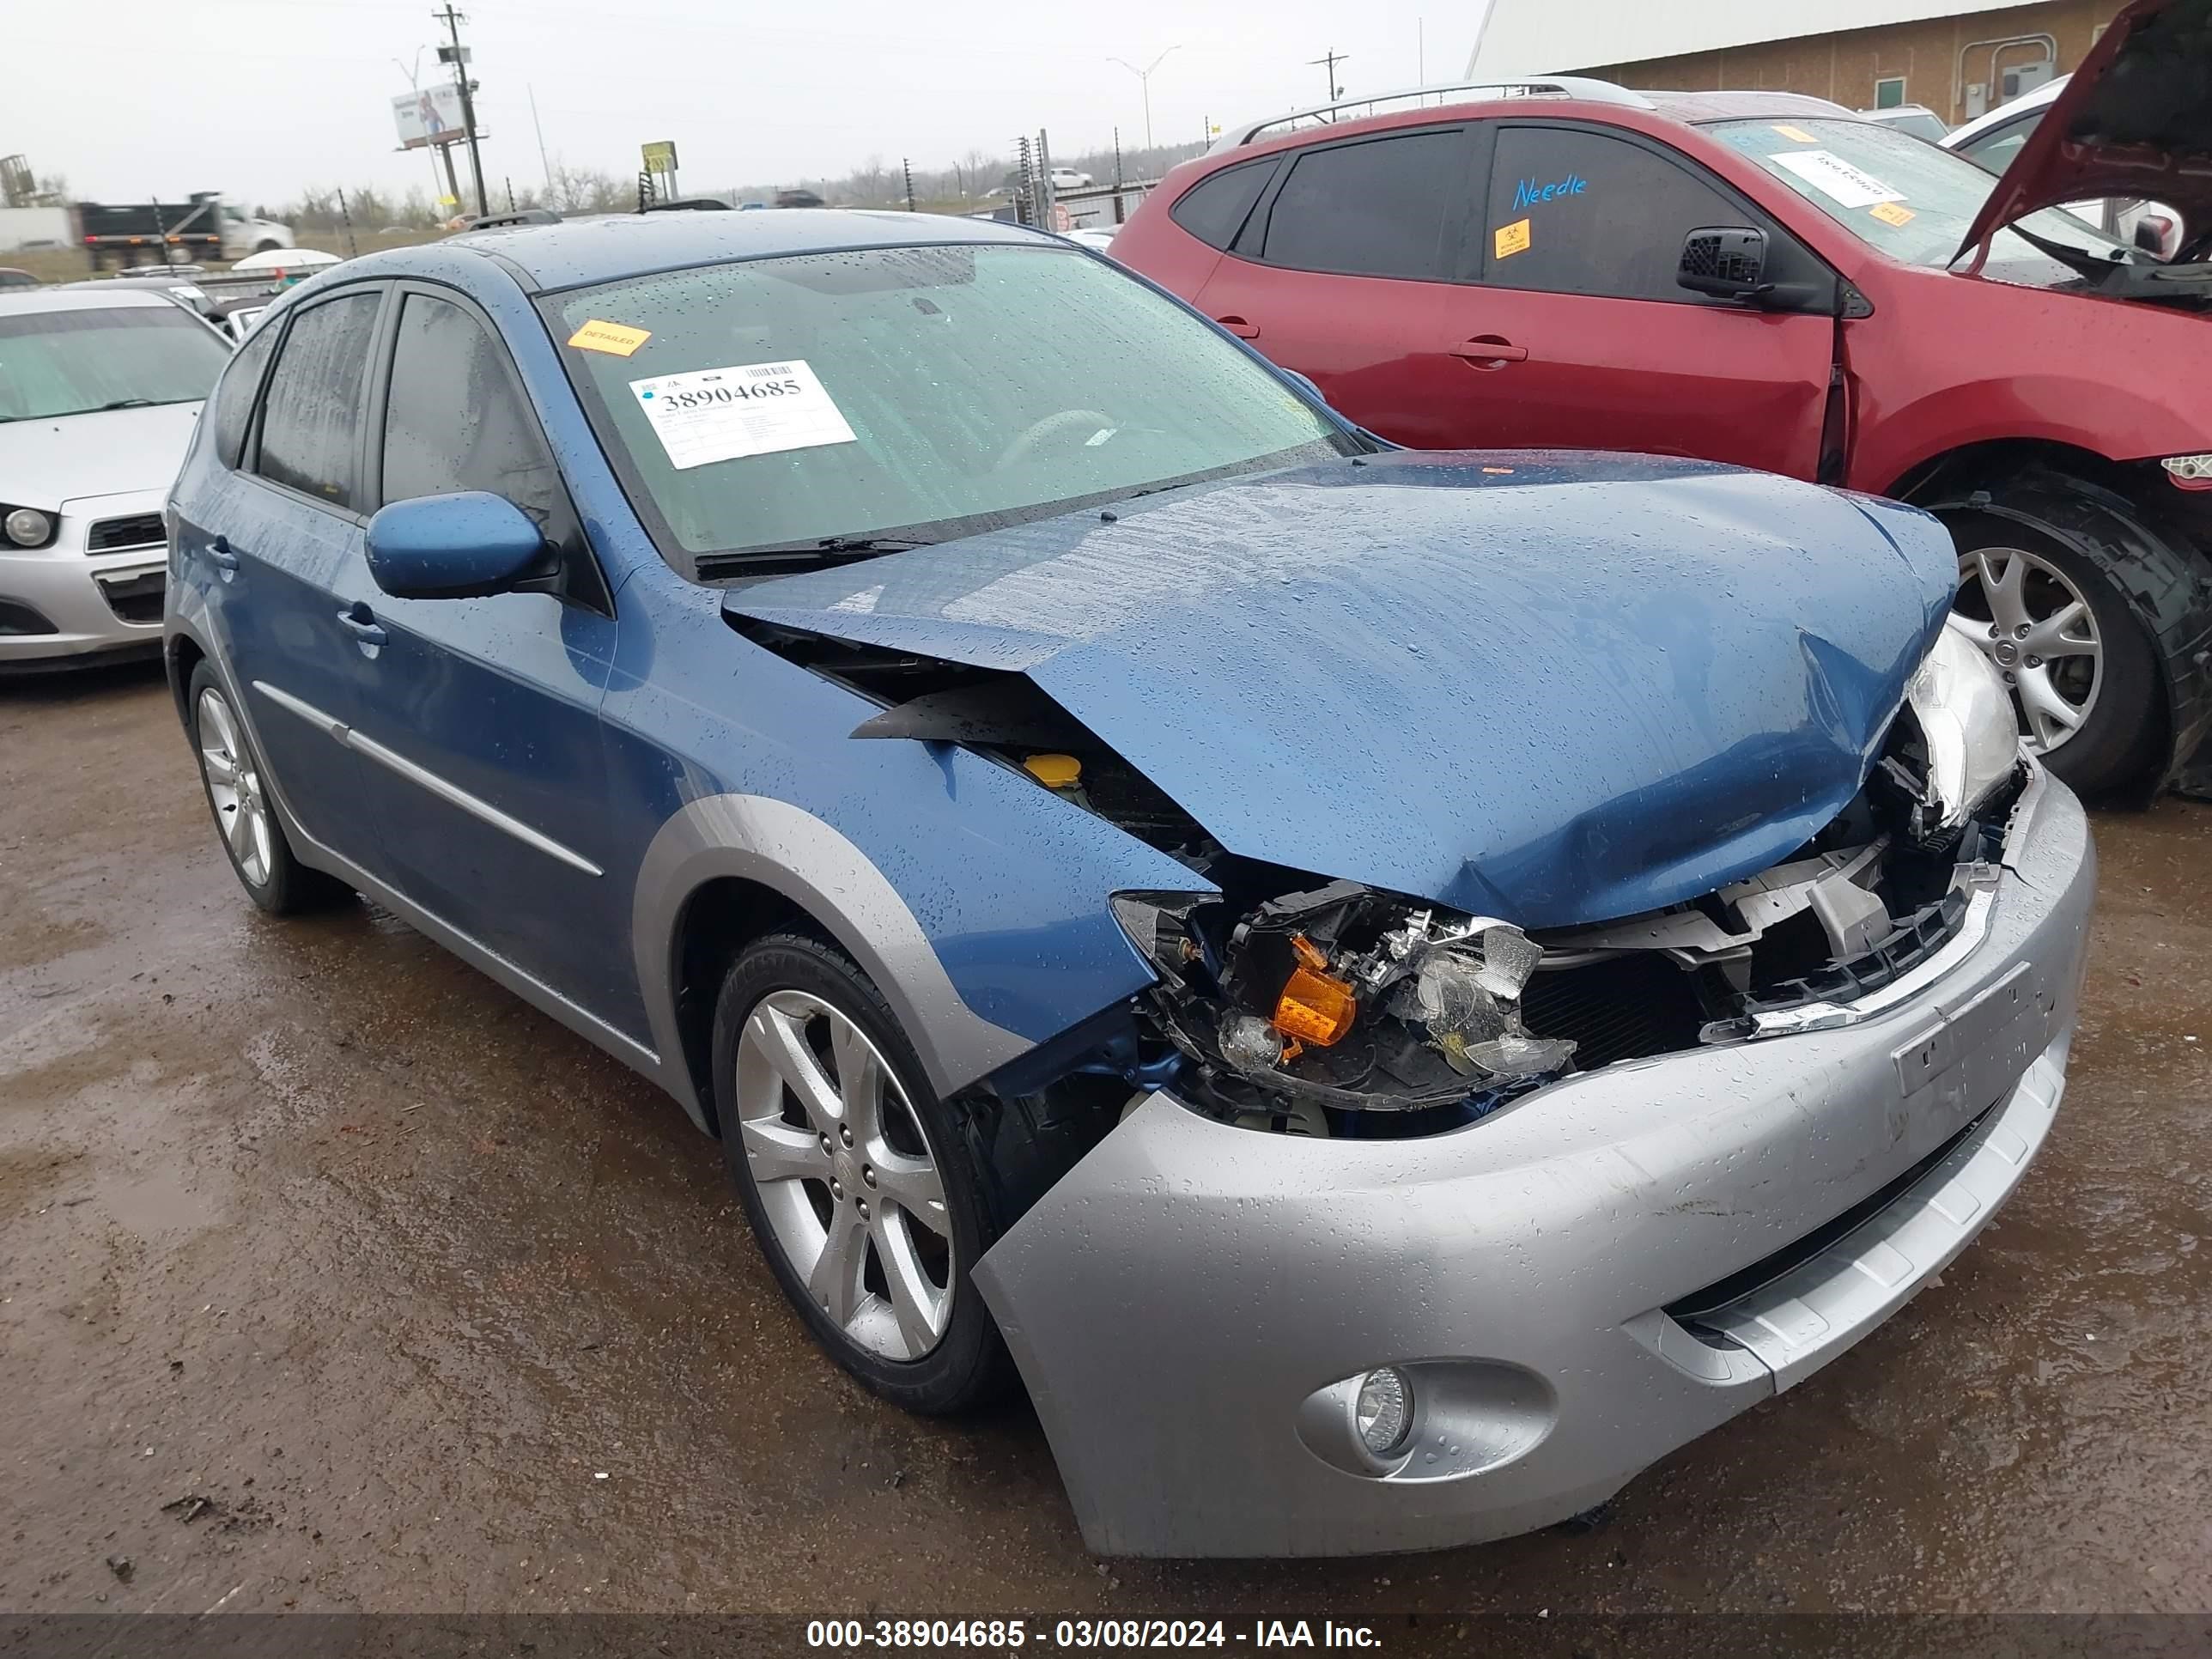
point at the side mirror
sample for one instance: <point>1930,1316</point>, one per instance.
<point>452,547</point>
<point>1727,262</point>
<point>1304,383</point>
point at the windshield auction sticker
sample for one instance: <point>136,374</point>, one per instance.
<point>748,409</point>
<point>615,339</point>
<point>1837,179</point>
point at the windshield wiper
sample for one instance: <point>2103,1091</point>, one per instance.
<point>124,402</point>
<point>779,557</point>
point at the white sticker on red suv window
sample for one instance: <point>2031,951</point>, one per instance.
<point>1837,179</point>
<point>709,415</point>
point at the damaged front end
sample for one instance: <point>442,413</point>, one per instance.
<point>1298,1000</point>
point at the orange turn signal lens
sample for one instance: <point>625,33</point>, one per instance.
<point>1314,1008</point>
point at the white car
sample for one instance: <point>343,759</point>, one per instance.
<point>99,394</point>
<point>1069,178</point>
<point>1992,141</point>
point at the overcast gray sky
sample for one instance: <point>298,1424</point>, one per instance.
<point>258,98</point>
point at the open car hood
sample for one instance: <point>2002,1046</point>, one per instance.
<point>1553,689</point>
<point>2135,120</point>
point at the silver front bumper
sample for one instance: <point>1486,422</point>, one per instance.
<point>63,583</point>
<point>1179,1296</point>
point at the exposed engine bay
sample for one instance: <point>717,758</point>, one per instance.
<point>1296,1003</point>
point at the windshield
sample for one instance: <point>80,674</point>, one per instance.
<point>909,394</point>
<point>72,362</point>
<point>1911,199</point>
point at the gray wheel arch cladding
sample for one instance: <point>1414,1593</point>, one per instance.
<point>791,852</point>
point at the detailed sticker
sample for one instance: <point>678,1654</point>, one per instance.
<point>1837,179</point>
<point>748,408</point>
<point>1890,214</point>
<point>1796,135</point>
<point>1513,239</point>
<point>1530,193</point>
<point>615,339</point>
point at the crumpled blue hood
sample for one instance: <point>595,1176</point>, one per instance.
<point>1557,689</point>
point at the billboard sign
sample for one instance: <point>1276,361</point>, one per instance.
<point>429,115</point>
<point>659,156</point>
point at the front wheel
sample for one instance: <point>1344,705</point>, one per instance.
<point>2057,625</point>
<point>860,1188</point>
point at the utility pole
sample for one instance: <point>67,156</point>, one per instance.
<point>457,55</point>
<point>1331,59</point>
<point>1145,78</point>
<point>542,160</point>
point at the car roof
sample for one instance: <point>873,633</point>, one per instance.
<point>19,303</point>
<point>1549,97</point>
<point>1696,108</point>
<point>607,247</point>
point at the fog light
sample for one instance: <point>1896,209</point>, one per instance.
<point>28,528</point>
<point>1384,1410</point>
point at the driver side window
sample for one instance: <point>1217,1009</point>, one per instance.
<point>453,420</point>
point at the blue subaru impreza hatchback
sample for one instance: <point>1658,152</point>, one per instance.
<point>1389,990</point>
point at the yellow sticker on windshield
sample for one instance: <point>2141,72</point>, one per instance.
<point>1796,135</point>
<point>615,339</point>
<point>1890,214</point>
<point>1513,239</point>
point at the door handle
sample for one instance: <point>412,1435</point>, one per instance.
<point>361,622</point>
<point>1239,327</point>
<point>1488,351</point>
<point>221,556</point>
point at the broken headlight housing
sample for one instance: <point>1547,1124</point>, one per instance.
<point>1339,999</point>
<point>1964,712</point>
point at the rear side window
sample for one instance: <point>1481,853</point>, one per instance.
<point>1576,212</point>
<point>1378,208</point>
<point>454,420</point>
<point>1214,210</point>
<point>233,399</point>
<point>312,416</point>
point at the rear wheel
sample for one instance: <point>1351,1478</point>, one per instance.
<point>860,1184</point>
<point>237,787</point>
<point>2056,623</point>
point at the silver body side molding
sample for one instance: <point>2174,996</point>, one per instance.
<point>347,738</point>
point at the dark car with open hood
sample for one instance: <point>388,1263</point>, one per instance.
<point>1771,280</point>
<point>1391,990</point>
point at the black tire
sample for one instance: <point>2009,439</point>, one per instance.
<point>2124,738</point>
<point>968,1366</point>
<point>265,246</point>
<point>287,887</point>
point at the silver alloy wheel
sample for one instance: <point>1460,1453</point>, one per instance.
<point>845,1174</point>
<point>2026,617</point>
<point>233,784</point>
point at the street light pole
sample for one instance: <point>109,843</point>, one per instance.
<point>1145,79</point>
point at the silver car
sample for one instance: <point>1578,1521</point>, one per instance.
<point>99,394</point>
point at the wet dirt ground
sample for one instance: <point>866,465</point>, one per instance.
<point>333,1277</point>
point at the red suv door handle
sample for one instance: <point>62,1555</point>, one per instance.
<point>1490,351</point>
<point>1239,327</point>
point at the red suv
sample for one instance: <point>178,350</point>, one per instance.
<point>1764,279</point>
